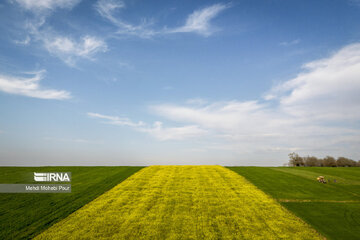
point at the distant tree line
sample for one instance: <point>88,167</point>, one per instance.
<point>311,161</point>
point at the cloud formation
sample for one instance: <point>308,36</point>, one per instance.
<point>156,130</point>
<point>46,5</point>
<point>317,111</point>
<point>199,21</point>
<point>25,41</point>
<point>70,50</point>
<point>67,49</point>
<point>173,133</point>
<point>108,8</point>
<point>327,89</point>
<point>290,43</point>
<point>116,120</point>
<point>30,87</point>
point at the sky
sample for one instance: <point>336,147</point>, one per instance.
<point>111,82</point>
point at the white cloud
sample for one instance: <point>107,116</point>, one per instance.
<point>319,110</point>
<point>156,130</point>
<point>25,41</point>
<point>250,127</point>
<point>108,8</point>
<point>46,5</point>
<point>197,101</point>
<point>30,87</point>
<point>327,89</point>
<point>173,133</point>
<point>67,49</point>
<point>70,50</point>
<point>219,115</point>
<point>290,43</point>
<point>199,21</point>
<point>116,120</point>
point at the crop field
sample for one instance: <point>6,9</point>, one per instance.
<point>332,208</point>
<point>192,202</point>
<point>182,202</point>
<point>24,215</point>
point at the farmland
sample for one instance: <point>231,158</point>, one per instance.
<point>332,208</point>
<point>196,202</point>
<point>177,202</point>
<point>24,215</point>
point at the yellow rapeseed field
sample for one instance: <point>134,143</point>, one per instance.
<point>182,202</point>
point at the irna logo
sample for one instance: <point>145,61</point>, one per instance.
<point>52,177</point>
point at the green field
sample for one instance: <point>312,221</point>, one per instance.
<point>192,202</point>
<point>24,215</point>
<point>332,208</point>
<point>182,202</point>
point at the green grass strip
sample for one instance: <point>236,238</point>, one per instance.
<point>333,208</point>
<point>24,215</point>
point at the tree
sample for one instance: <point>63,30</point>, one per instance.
<point>345,162</point>
<point>311,161</point>
<point>329,161</point>
<point>295,160</point>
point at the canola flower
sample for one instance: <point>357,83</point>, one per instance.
<point>182,202</point>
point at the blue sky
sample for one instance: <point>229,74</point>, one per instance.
<point>112,82</point>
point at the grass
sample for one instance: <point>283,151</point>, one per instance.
<point>332,208</point>
<point>338,220</point>
<point>182,202</point>
<point>24,215</point>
